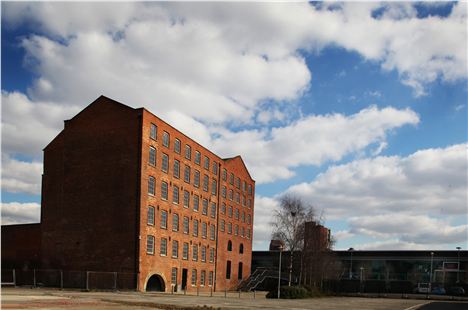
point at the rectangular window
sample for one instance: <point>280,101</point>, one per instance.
<point>150,244</point>
<point>203,253</point>
<point>206,163</point>
<point>186,199</point>
<point>223,191</point>
<point>238,183</point>
<point>249,203</point>
<point>188,152</point>
<point>213,210</point>
<point>231,195</point>
<point>249,219</point>
<point>151,186</point>
<point>229,228</point>
<point>165,163</point>
<point>150,215</point>
<point>163,249</point>
<point>195,228</point>
<point>243,201</point>
<point>231,178</point>
<point>153,131</point>
<point>204,230</point>
<point>174,275</point>
<point>195,252</point>
<point>212,253</point>
<point>175,222</point>
<point>175,194</point>
<point>221,225</point>
<point>250,189</point>
<point>223,208</point>
<point>164,219</point>
<point>224,174</point>
<point>177,146</point>
<point>152,156</point>
<point>244,185</point>
<point>166,139</point>
<point>215,168</point>
<point>206,179</point>
<point>187,174</point>
<point>242,232</point>
<point>212,232</point>
<point>243,217</point>
<point>237,197</point>
<point>202,277</point>
<point>196,203</point>
<point>176,171</point>
<point>210,278</point>
<point>185,251</point>
<point>228,269</point>
<point>236,214</point>
<point>194,277</point>
<point>164,193</point>
<point>186,225</point>
<point>214,186</point>
<point>239,272</point>
<point>236,230</point>
<point>230,211</point>
<point>248,233</point>
<point>175,248</point>
<point>197,157</point>
<point>196,178</point>
<point>205,206</point>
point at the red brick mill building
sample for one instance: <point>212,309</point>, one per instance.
<point>123,191</point>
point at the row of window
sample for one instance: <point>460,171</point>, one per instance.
<point>244,233</point>
<point>166,141</point>
<point>205,207</point>
<point>174,277</point>
<point>150,249</point>
<point>187,172</point>
<point>185,224</point>
<point>238,182</point>
<point>245,202</point>
<point>237,214</point>
<point>239,270</point>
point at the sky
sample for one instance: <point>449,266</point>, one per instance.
<point>360,109</point>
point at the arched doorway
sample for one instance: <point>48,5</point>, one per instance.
<point>155,284</point>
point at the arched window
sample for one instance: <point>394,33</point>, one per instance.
<point>241,248</point>
<point>229,247</point>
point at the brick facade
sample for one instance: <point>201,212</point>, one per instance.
<point>110,179</point>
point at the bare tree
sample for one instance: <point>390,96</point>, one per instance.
<point>289,225</point>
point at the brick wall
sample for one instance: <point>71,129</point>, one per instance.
<point>89,191</point>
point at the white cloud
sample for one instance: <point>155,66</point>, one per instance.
<point>20,213</point>
<point>264,209</point>
<point>20,176</point>
<point>311,140</point>
<point>397,198</point>
<point>428,181</point>
<point>409,228</point>
<point>27,126</point>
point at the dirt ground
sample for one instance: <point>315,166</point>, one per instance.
<point>41,298</point>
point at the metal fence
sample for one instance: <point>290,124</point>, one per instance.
<point>89,280</point>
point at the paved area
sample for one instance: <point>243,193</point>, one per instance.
<point>445,306</point>
<point>21,298</point>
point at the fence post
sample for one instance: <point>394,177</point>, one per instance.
<point>225,293</point>
<point>211,291</point>
<point>239,293</point>
<point>115,281</point>
<point>198,291</point>
<point>87,280</point>
<point>34,278</point>
<point>14,277</point>
<point>61,279</point>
